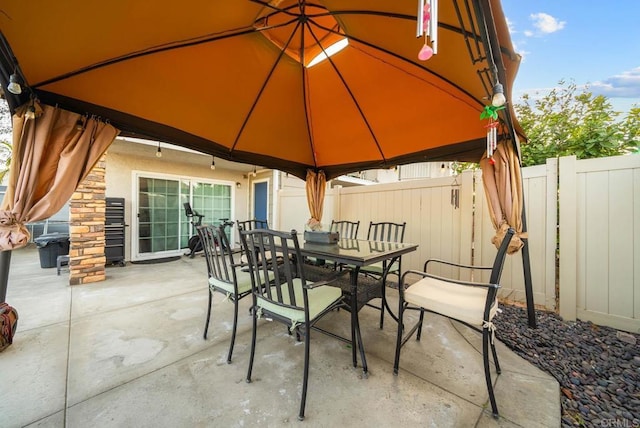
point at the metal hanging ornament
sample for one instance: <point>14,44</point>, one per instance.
<point>427,27</point>
<point>492,139</point>
<point>491,112</point>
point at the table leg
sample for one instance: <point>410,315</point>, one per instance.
<point>384,289</point>
<point>355,323</point>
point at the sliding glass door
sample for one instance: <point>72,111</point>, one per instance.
<point>163,228</point>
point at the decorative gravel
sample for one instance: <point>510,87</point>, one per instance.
<point>598,367</point>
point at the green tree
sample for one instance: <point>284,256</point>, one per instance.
<point>630,128</point>
<point>567,121</point>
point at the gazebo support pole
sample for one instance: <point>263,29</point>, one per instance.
<point>526,265</point>
<point>490,35</point>
<point>5,264</point>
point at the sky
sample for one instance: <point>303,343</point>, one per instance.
<point>594,43</point>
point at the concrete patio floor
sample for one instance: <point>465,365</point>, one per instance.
<point>128,352</point>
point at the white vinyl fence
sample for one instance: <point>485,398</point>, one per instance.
<point>600,240</point>
<point>433,221</point>
<point>598,232</point>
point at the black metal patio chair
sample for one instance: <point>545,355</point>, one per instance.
<point>471,303</point>
<point>346,229</point>
<point>253,224</point>
<point>290,298</point>
<point>347,232</point>
<point>249,225</point>
<point>383,232</point>
<point>224,274</point>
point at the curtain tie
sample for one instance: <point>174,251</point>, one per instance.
<point>259,314</point>
<point>492,329</point>
<point>13,234</point>
<point>516,242</point>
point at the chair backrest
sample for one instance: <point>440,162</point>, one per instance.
<point>217,252</point>
<point>346,229</point>
<point>250,225</point>
<point>282,252</point>
<point>253,224</point>
<point>498,263</point>
<point>386,231</point>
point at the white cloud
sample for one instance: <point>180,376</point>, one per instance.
<point>623,91</point>
<point>544,24</point>
<point>624,85</point>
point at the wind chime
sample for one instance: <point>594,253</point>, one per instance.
<point>455,192</point>
<point>492,137</point>
<point>428,27</point>
<point>491,112</point>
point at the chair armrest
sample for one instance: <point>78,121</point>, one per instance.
<point>453,281</point>
<point>455,264</point>
<point>333,276</point>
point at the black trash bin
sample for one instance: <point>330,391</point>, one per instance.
<point>50,246</point>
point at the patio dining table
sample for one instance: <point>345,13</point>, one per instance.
<point>356,253</point>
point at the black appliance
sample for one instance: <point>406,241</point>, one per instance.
<point>114,231</point>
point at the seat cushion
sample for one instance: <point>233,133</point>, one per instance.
<point>244,282</point>
<point>378,268</point>
<point>452,300</point>
<point>368,287</point>
<point>319,299</point>
<point>373,268</point>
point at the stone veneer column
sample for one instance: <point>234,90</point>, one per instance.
<point>86,228</point>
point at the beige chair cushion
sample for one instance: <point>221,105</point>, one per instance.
<point>452,300</point>
<point>319,299</point>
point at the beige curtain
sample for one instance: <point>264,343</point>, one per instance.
<point>503,188</point>
<point>316,184</point>
<point>51,155</point>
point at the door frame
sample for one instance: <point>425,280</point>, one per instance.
<point>253,197</point>
<point>133,221</point>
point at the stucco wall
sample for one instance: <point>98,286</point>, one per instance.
<point>123,158</point>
